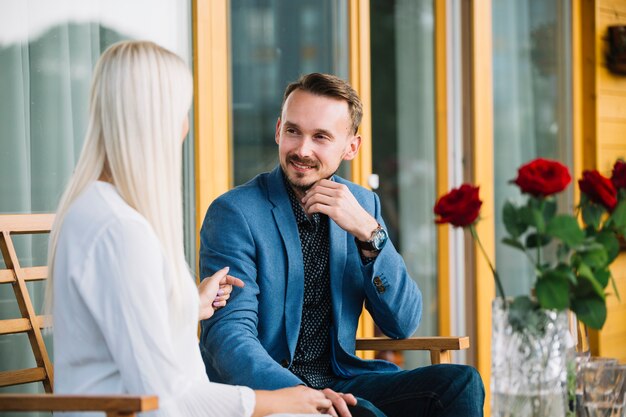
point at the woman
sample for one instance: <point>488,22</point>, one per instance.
<point>125,306</point>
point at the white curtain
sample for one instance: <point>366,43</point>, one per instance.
<point>47,54</point>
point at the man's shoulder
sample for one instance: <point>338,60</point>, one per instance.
<point>253,191</point>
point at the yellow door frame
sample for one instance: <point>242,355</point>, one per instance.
<point>481,102</point>
<point>212,104</point>
<point>213,117</point>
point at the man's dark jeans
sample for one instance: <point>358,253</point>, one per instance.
<point>431,391</point>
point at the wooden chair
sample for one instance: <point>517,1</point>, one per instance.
<point>118,405</point>
<point>31,324</point>
<point>439,347</point>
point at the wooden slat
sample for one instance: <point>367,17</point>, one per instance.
<point>413,343</point>
<point>44,321</point>
<point>26,306</point>
<point>22,376</point>
<point>26,223</point>
<point>34,273</point>
<point>6,276</point>
<point>13,326</point>
<point>122,404</point>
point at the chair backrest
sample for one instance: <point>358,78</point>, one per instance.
<point>29,323</point>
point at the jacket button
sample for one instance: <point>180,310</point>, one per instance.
<point>284,363</point>
<point>377,281</point>
<point>381,289</point>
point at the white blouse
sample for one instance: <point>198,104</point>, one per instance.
<point>113,326</point>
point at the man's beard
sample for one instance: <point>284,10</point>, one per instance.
<point>303,188</point>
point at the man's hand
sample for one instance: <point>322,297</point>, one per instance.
<point>337,202</point>
<point>340,402</point>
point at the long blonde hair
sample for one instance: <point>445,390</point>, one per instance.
<point>140,97</point>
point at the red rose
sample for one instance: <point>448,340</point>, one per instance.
<point>619,174</point>
<point>599,189</point>
<point>460,207</point>
<point>542,177</point>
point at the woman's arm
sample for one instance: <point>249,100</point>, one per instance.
<point>214,291</point>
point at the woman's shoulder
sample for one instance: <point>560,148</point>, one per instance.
<point>100,211</point>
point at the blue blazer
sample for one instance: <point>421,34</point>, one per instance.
<point>251,341</point>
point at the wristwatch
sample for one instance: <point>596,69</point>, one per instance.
<point>376,241</point>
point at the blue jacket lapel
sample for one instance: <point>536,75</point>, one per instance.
<point>337,266</point>
<point>286,223</point>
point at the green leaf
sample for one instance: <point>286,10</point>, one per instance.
<point>591,311</point>
<point>596,257</point>
<point>587,283</point>
<point>592,214</point>
<point>608,239</point>
<point>614,285</point>
<point>513,220</point>
<point>602,276</point>
<point>521,312</point>
<point>619,214</point>
<point>566,271</point>
<point>514,243</point>
<point>533,240</point>
<point>566,228</point>
<point>552,290</point>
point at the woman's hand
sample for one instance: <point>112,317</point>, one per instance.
<point>214,291</point>
<point>297,400</point>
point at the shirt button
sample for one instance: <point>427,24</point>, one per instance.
<point>284,363</point>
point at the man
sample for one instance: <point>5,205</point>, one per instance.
<point>311,248</point>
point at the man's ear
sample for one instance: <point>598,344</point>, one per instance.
<point>277,133</point>
<point>354,143</point>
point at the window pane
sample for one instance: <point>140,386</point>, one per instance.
<point>403,124</point>
<point>273,43</point>
<point>531,74</point>
<point>47,54</point>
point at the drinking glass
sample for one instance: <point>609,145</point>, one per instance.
<point>581,360</point>
<point>603,388</point>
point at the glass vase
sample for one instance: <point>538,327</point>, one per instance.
<point>531,365</point>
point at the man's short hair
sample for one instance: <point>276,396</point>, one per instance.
<point>329,86</point>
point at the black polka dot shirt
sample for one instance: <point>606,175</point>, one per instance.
<point>311,361</point>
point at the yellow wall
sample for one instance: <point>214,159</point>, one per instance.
<point>611,144</point>
<point>600,135</point>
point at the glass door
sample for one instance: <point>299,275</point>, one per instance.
<point>273,42</point>
<point>532,107</point>
<point>403,142</point>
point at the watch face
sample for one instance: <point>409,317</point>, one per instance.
<point>380,238</point>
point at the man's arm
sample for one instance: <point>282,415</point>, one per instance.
<point>229,339</point>
<point>392,297</point>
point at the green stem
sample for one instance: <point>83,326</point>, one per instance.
<point>500,289</point>
<point>539,237</point>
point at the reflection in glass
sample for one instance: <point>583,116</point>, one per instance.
<point>274,42</point>
<point>531,72</point>
<point>403,124</point>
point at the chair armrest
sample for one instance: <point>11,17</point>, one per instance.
<point>439,347</point>
<point>112,405</point>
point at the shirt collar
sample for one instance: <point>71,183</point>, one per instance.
<point>298,211</point>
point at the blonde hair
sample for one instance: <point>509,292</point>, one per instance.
<point>140,97</point>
